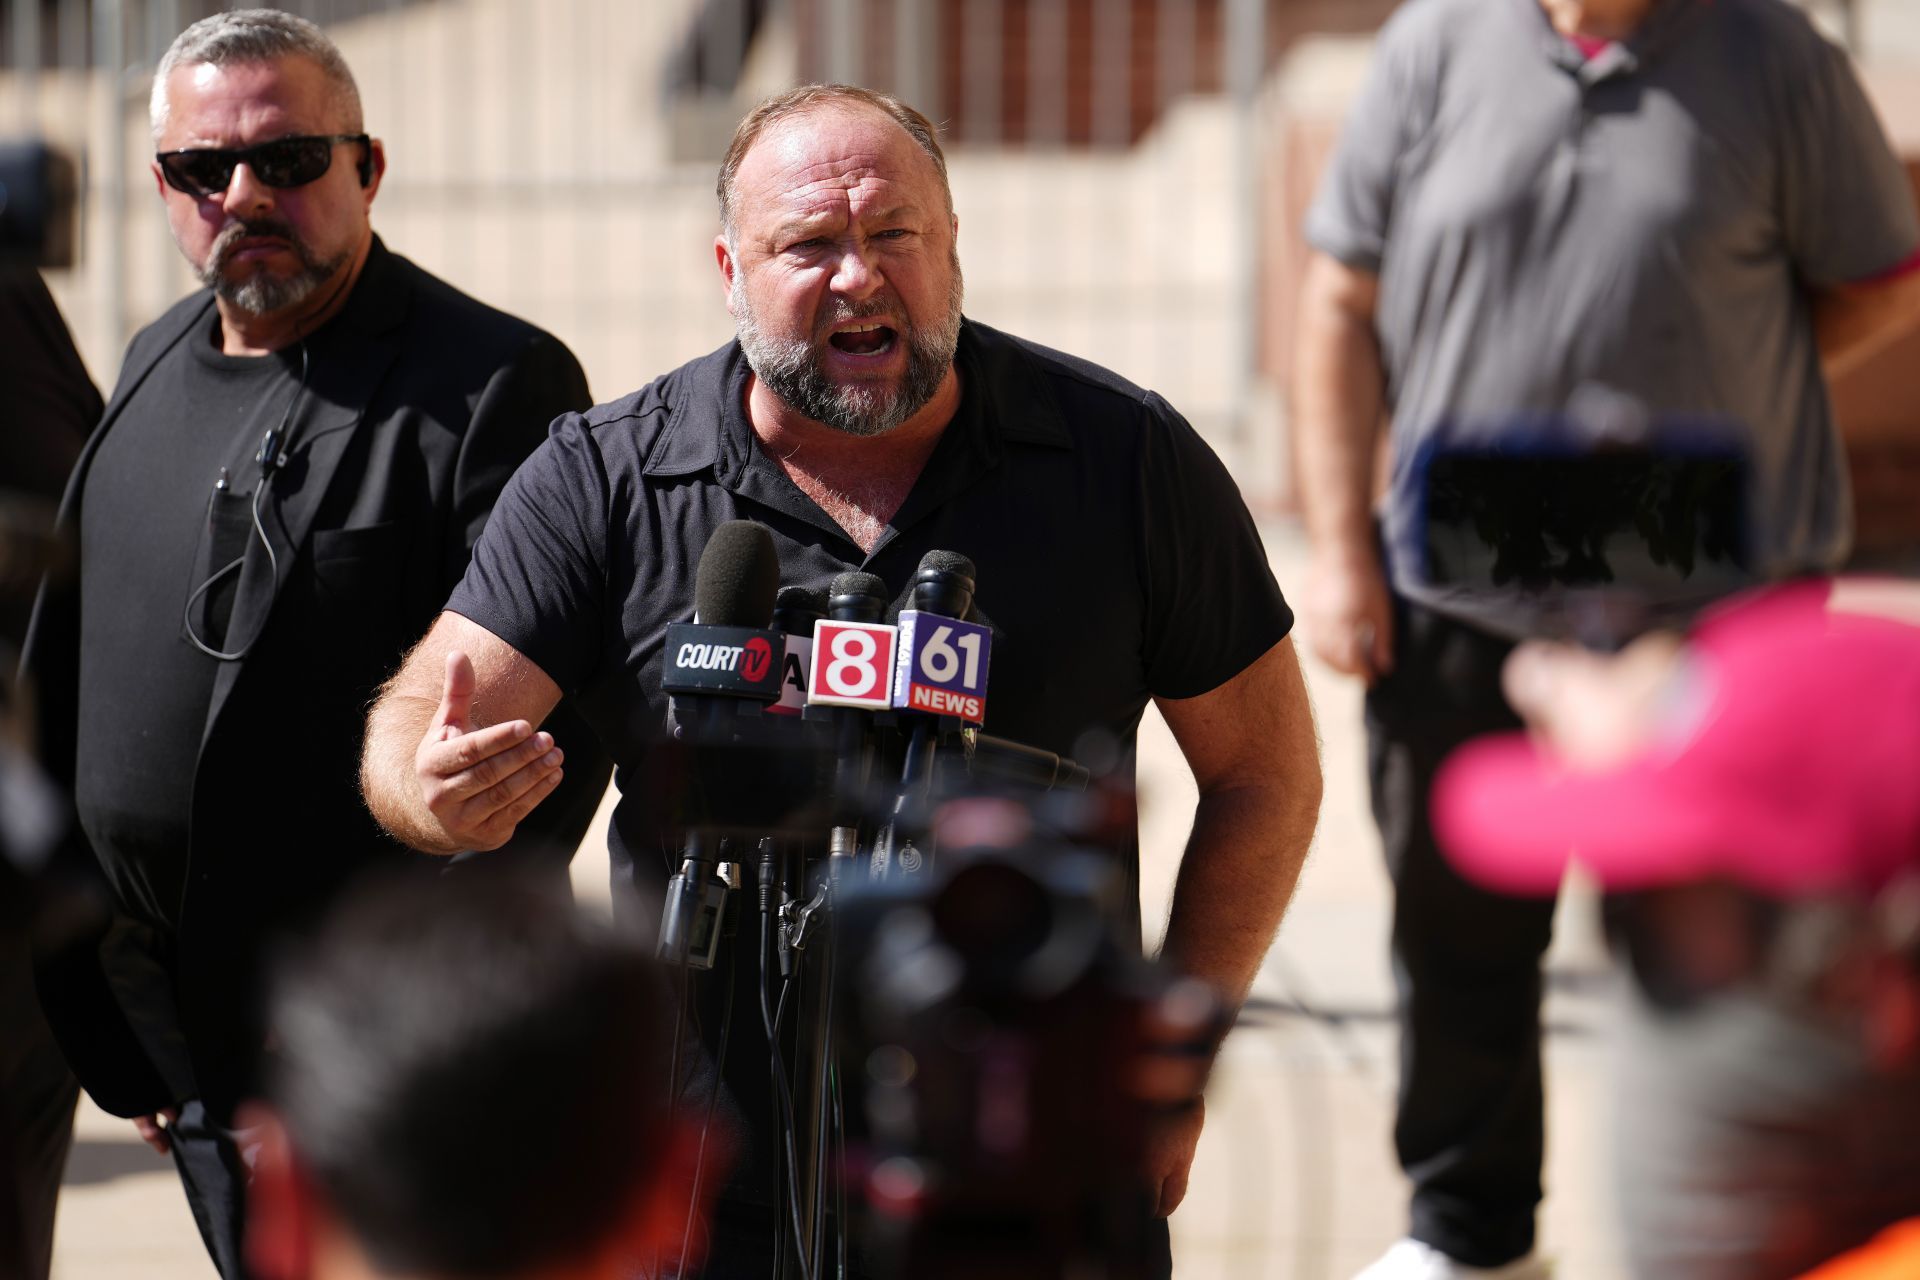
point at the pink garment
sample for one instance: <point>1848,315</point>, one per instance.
<point>1906,267</point>
<point>1791,765</point>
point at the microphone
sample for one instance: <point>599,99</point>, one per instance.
<point>939,679</point>
<point>795,611</point>
<point>739,573</point>
<point>942,668</point>
<point>857,597</point>
<point>943,584</point>
<point>1016,762</point>
<point>726,657</point>
<point>852,670</point>
<point>715,666</point>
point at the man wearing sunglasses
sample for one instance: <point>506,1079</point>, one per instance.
<point>286,484</point>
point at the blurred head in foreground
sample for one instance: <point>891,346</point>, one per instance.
<point>469,1081</point>
<point>1750,796</point>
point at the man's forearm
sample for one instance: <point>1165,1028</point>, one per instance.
<point>387,782</point>
<point>440,773</point>
<point>1853,323</point>
<point>1339,397</point>
<point>1241,864</point>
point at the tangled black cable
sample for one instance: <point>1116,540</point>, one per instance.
<point>782,1093</point>
<point>706,1121</point>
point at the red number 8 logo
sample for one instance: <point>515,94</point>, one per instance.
<point>852,672</point>
<point>852,665</point>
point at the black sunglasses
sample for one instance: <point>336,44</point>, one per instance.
<point>285,162</point>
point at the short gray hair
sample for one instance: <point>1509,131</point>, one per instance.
<point>256,35</point>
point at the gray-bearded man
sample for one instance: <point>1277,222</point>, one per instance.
<point>863,422</point>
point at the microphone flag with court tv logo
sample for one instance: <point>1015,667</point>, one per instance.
<point>728,650</point>
<point>723,663</point>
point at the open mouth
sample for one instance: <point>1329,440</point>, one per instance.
<point>864,340</point>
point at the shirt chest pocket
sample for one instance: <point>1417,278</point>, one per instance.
<point>359,572</point>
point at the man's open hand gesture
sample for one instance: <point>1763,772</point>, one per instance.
<point>478,783</point>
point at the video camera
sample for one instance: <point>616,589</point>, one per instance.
<point>993,1031</point>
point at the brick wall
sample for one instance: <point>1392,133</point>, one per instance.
<point>1013,79</point>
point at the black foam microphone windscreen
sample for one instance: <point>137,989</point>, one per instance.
<point>796,609</point>
<point>943,584</point>
<point>947,562</point>
<point>857,597</point>
<point>738,575</point>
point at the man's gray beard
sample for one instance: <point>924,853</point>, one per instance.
<point>261,294</point>
<point>792,369</point>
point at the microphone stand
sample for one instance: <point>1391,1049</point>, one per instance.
<point>855,598</point>
<point>807,929</point>
<point>811,937</point>
<point>943,586</point>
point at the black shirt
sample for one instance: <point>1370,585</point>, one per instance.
<point>183,458</point>
<point>1116,560</point>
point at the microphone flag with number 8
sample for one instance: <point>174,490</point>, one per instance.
<point>942,668</point>
<point>852,665</point>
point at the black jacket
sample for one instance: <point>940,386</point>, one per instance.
<point>426,403</point>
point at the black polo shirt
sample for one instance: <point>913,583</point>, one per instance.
<point>1116,559</point>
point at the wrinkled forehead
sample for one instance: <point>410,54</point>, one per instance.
<point>832,155</point>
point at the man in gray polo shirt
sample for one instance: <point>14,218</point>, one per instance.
<point>1687,203</point>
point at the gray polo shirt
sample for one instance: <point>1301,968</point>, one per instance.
<point>1650,222</point>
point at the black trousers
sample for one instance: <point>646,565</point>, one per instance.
<point>1469,1128</point>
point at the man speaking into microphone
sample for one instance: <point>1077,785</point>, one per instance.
<point>864,422</point>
